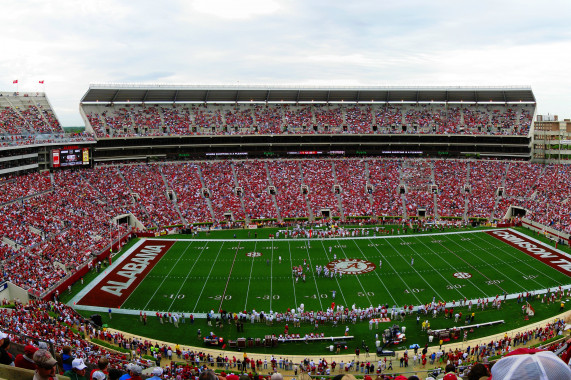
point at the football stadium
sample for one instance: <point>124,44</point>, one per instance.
<point>369,232</point>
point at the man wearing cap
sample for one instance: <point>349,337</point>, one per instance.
<point>98,375</point>
<point>157,373</point>
<point>102,365</point>
<point>135,371</point>
<point>26,360</point>
<point>46,365</point>
<point>530,364</point>
<point>77,371</point>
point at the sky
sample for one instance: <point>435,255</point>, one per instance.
<point>71,43</point>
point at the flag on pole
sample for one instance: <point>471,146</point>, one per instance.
<point>41,82</point>
<point>15,81</point>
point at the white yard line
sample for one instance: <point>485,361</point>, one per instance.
<point>228,279</point>
<point>314,279</point>
<point>250,278</point>
<point>487,264</point>
<point>206,281</point>
<point>164,278</point>
<point>377,274</point>
<point>435,270</point>
<point>292,279</point>
<point>524,263</point>
<point>188,274</point>
<point>455,269</point>
<point>336,279</point>
<point>356,276</point>
<point>470,265</point>
<point>397,273</point>
<point>272,276</point>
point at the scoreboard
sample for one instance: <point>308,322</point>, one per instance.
<point>72,156</point>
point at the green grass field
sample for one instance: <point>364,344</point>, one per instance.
<point>196,276</point>
<point>193,274</point>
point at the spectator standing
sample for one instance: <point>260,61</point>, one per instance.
<point>46,365</point>
<point>26,360</point>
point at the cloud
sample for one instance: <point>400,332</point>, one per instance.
<point>236,9</point>
<point>71,43</point>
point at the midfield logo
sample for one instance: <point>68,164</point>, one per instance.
<point>351,266</point>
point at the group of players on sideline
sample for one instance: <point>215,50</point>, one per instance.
<point>55,325</point>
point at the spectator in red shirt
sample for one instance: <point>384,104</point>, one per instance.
<point>26,360</point>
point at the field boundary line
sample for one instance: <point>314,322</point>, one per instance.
<point>522,235</point>
<point>536,241</point>
<point>344,238</point>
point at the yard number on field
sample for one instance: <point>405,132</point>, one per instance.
<point>171,296</point>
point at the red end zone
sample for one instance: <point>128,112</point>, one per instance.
<point>116,287</point>
<point>543,253</point>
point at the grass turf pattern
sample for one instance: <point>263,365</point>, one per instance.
<point>200,275</point>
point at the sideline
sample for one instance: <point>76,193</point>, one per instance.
<point>566,316</point>
<point>303,238</point>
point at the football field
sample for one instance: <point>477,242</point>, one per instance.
<point>196,276</point>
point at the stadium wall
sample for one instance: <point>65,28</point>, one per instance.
<point>548,231</point>
<point>9,291</point>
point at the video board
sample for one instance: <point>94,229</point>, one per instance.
<point>73,156</point>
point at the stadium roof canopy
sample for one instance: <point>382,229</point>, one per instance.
<point>154,93</point>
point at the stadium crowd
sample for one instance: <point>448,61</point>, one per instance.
<point>71,212</point>
<point>50,325</point>
<point>108,121</point>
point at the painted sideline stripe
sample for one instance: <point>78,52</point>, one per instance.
<point>556,259</point>
<point>118,283</point>
<point>372,237</point>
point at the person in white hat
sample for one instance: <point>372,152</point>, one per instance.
<point>538,365</point>
<point>77,371</point>
<point>157,372</point>
<point>135,371</point>
<point>98,375</point>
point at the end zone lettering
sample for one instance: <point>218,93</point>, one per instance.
<point>543,253</point>
<point>124,278</point>
<point>133,268</point>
